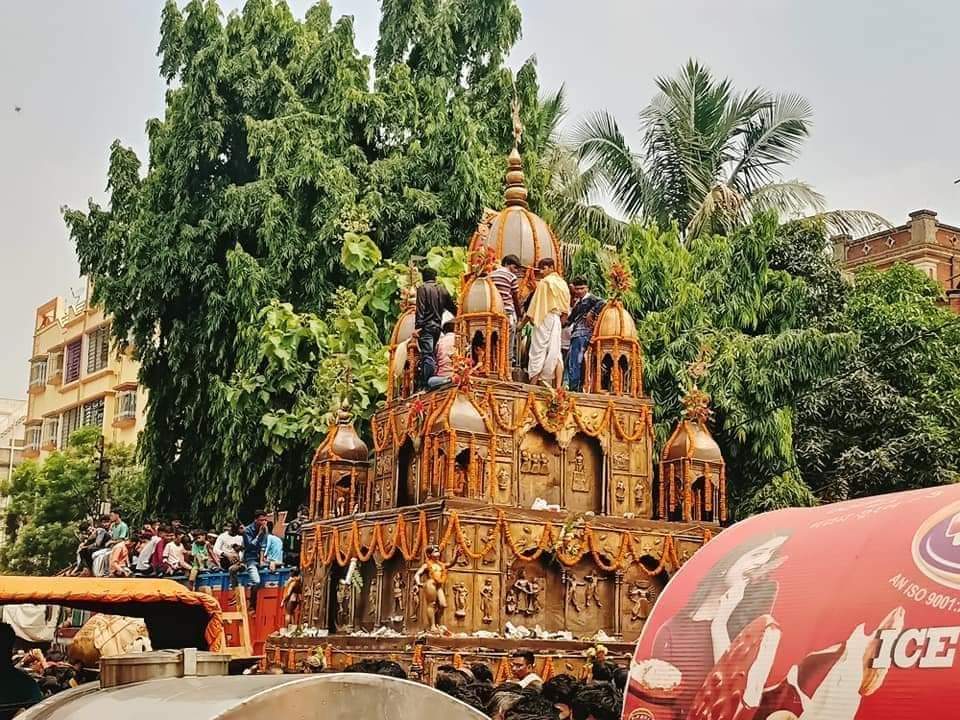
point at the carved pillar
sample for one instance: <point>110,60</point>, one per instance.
<point>618,603</point>
<point>564,475</point>
<point>379,598</point>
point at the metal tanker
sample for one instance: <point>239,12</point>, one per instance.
<point>844,612</point>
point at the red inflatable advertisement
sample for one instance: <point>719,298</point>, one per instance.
<point>843,612</point>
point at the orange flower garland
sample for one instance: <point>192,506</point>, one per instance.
<point>628,553</point>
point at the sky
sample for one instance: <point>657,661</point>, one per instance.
<point>880,74</point>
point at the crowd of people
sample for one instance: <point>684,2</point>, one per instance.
<point>173,549</point>
<point>560,318</point>
<point>525,696</point>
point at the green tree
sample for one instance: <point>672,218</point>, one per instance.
<point>720,300</point>
<point>711,158</point>
<point>275,152</point>
<point>50,501</point>
<point>890,418</point>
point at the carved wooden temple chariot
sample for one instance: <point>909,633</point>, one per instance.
<point>432,531</point>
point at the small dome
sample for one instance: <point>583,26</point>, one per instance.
<point>615,321</point>
<point>481,296</point>
<point>462,416</point>
<point>345,443</point>
<point>516,230</point>
<point>692,441</point>
<point>403,330</point>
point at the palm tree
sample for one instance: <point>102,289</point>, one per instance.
<point>570,190</point>
<point>712,157</point>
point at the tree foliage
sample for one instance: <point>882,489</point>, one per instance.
<point>890,418</point>
<point>276,155</point>
<point>718,299</point>
<point>711,157</point>
<point>50,501</point>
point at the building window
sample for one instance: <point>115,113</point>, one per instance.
<point>93,413</point>
<point>127,405</point>
<point>70,421</point>
<point>55,364</point>
<point>38,373</point>
<point>71,361</point>
<point>51,431</point>
<point>33,438</point>
<point>98,348</point>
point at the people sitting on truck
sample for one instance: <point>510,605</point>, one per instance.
<point>17,689</point>
<point>118,528</point>
<point>229,545</point>
<point>174,556</point>
<point>120,558</point>
<point>273,552</point>
<point>96,541</point>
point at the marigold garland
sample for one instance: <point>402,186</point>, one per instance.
<point>313,548</point>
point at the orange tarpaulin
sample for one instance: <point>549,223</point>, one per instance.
<point>175,617</point>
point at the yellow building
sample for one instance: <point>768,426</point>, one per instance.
<point>78,378</point>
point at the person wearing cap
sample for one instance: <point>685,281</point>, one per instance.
<point>446,348</point>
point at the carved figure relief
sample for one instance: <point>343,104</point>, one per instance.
<point>414,602</point>
<point>460,600</point>
<point>534,463</point>
<point>344,595</point>
<point>526,594</point>
<point>377,496</point>
<point>460,557</point>
<point>489,558</point>
<point>570,580</point>
<point>505,412</point>
<point>341,507</point>
<point>621,491</point>
<point>510,602</point>
<point>578,481</point>
<point>640,493</point>
<point>504,445</point>
<point>621,461</point>
<point>486,601</point>
<point>641,597</point>
<point>503,479</point>
<point>432,585</point>
<point>373,599</point>
<point>399,586</point>
<point>591,593</point>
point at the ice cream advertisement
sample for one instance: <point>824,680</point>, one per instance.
<point>849,611</point>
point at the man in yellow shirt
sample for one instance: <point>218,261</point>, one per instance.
<point>548,306</point>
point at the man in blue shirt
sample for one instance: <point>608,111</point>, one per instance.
<point>274,550</point>
<point>581,320</point>
<point>254,548</point>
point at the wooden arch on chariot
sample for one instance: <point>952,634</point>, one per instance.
<point>614,364</point>
<point>693,483</point>
<point>483,329</point>
<point>456,454</point>
<point>402,356</point>
<point>340,472</point>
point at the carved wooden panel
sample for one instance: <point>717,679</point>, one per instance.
<point>533,595</point>
<point>458,617</point>
<point>539,468</point>
<point>638,593</point>
<point>487,606</point>
<point>583,474</point>
<point>588,599</point>
<point>503,482</point>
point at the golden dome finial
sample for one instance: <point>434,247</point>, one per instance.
<point>517,123</point>
<point>696,402</point>
<point>516,191</point>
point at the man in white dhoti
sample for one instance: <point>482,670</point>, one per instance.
<point>549,304</point>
